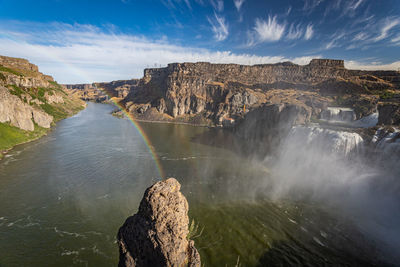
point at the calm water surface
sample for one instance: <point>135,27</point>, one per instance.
<point>63,198</point>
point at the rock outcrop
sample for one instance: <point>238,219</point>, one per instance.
<point>223,94</point>
<point>389,114</point>
<point>20,114</point>
<point>30,100</point>
<point>86,92</point>
<point>157,234</point>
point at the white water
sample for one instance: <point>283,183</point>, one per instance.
<point>387,142</point>
<point>347,117</point>
<point>328,167</point>
<point>329,140</point>
<point>338,114</point>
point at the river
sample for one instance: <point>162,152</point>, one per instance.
<point>64,196</point>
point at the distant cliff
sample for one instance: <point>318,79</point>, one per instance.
<point>222,94</point>
<point>30,102</point>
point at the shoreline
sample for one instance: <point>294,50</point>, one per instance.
<point>4,152</point>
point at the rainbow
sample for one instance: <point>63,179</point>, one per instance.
<point>142,133</point>
<point>83,74</point>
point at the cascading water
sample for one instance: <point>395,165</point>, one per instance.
<point>347,117</point>
<point>387,142</point>
<point>334,167</point>
<point>338,114</point>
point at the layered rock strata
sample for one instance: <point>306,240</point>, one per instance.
<point>222,94</point>
<point>157,234</point>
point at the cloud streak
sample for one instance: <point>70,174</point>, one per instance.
<point>219,27</point>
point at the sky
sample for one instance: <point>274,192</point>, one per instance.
<point>82,41</point>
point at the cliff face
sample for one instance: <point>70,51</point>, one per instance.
<point>29,99</point>
<point>222,94</point>
<point>157,234</point>
<point>86,92</point>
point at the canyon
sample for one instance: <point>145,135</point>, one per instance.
<point>30,102</point>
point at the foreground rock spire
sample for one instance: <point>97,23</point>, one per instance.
<point>157,234</point>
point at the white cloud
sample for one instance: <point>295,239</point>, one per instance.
<point>217,5</point>
<point>334,40</point>
<point>309,32</point>
<point>269,31</point>
<point>389,24</point>
<point>355,4</point>
<point>295,32</point>
<point>219,27</point>
<point>84,53</point>
<point>238,4</point>
<point>396,39</point>
<point>377,66</point>
<point>360,36</point>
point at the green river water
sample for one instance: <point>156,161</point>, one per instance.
<point>63,198</point>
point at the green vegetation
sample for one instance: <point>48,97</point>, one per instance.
<point>194,230</point>
<point>11,135</point>
<point>15,90</point>
<point>5,69</point>
<point>54,110</point>
<point>2,77</point>
<point>386,94</point>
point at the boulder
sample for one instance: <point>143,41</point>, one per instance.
<point>157,234</point>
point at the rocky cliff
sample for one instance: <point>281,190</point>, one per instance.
<point>157,234</point>
<point>223,94</point>
<point>86,92</point>
<point>30,100</point>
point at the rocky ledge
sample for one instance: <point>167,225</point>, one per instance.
<point>157,234</point>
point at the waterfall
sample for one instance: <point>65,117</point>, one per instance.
<point>387,141</point>
<point>329,140</point>
<point>338,114</point>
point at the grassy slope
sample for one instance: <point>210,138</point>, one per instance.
<point>11,136</point>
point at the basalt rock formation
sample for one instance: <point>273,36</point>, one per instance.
<point>157,234</point>
<point>29,99</point>
<point>225,94</point>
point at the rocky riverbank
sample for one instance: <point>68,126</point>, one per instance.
<point>30,102</point>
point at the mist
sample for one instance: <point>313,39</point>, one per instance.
<point>337,170</point>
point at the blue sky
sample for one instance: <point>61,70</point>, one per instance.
<point>87,41</point>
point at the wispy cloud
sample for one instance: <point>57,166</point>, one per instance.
<point>389,24</point>
<point>84,53</point>
<point>334,42</point>
<point>299,31</point>
<point>219,27</point>
<point>361,36</point>
<point>238,4</point>
<point>270,30</point>
<point>309,32</point>
<point>218,5</point>
<point>288,11</point>
<point>351,64</point>
<point>295,32</point>
<point>310,5</point>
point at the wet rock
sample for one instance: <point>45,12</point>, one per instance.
<point>389,114</point>
<point>157,234</point>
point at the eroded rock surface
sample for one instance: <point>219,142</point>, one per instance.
<point>223,94</point>
<point>20,114</point>
<point>157,234</point>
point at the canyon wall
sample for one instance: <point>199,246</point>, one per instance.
<point>30,100</point>
<point>222,94</point>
